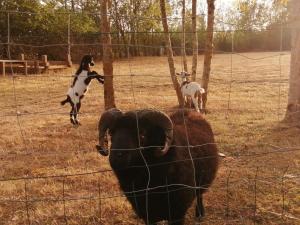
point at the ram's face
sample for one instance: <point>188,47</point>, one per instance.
<point>125,150</point>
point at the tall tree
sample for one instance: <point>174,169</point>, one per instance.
<point>119,26</point>
<point>183,52</point>
<point>208,48</point>
<point>195,39</point>
<point>293,107</point>
<point>170,52</point>
<point>109,97</point>
<point>251,15</point>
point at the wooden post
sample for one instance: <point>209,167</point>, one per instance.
<point>183,52</point>
<point>45,62</point>
<point>69,60</point>
<point>293,107</point>
<point>208,49</point>
<point>22,57</point>
<point>8,36</point>
<point>195,39</point>
<point>161,51</point>
<point>109,96</point>
<point>36,66</point>
<point>3,68</point>
<point>25,68</point>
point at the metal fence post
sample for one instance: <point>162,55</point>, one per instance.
<point>8,35</point>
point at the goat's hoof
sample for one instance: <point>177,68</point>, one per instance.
<point>73,122</point>
<point>77,123</point>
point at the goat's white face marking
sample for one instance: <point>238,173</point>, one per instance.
<point>183,74</point>
<point>92,63</point>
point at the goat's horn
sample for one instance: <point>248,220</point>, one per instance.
<point>163,120</point>
<point>107,120</point>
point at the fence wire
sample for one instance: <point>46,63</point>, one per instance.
<point>229,183</point>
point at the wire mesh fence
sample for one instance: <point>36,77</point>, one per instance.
<point>52,174</point>
<point>63,30</point>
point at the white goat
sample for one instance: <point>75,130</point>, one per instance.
<point>192,90</point>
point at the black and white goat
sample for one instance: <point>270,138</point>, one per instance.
<point>192,90</point>
<point>80,85</point>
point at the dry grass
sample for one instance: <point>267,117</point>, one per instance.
<point>41,141</point>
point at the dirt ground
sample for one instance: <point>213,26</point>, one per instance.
<point>258,182</point>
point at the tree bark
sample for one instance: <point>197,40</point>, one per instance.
<point>208,48</point>
<point>293,107</point>
<point>183,51</point>
<point>195,39</point>
<point>109,98</point>
<point>121,30</point>
<point>170,53</point>
<point>73,5</point>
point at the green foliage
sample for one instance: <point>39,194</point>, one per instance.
<point>47,17</point>
<point>258,26</point>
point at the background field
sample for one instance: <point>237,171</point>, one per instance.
<point>258,181</point>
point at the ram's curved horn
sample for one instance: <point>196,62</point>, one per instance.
<point>160,119</point>
<point>107,120</point>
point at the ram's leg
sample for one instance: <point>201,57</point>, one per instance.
<point>177,222</point>
<point>199,206</point>
<point>150,223</point>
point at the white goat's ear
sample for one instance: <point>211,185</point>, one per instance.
<point>177,73</point>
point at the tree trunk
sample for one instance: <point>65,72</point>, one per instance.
<point>109,98</point>
<point>132,27</point>
<point>183,52</point>
<point>293,107</point>
<point>195,39</point>
<point>73,5</point>
<point>170,53</point>
<point>208,48</point>
<point>66,4</point>
<point>121,30</point>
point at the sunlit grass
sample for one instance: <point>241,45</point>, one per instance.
<point>41,141</point>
